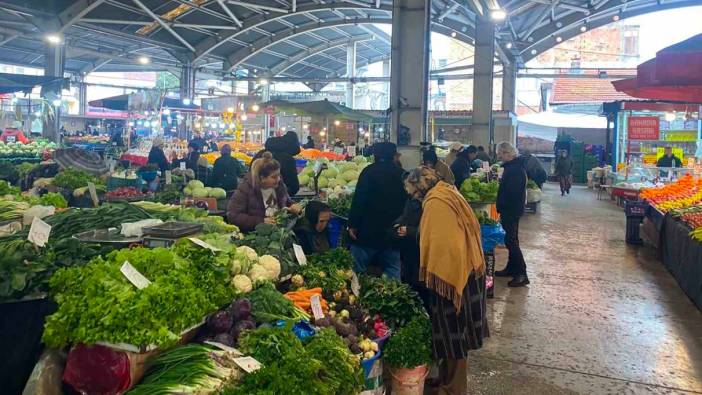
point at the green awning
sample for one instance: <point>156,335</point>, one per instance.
<point>322,108</point>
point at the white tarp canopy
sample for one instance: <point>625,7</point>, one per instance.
<point>546,125</point>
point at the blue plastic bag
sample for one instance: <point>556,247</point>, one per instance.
<point>491,236</point>
<point>301,329</point>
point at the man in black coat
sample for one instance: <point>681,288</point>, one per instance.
<point>379,199</point>
<point>511,197</point>
<point>462,167</point>
<point>283,149</point>
<point>226,170</point>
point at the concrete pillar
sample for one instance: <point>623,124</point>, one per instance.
<point>82,97</point>
<point>386,73</point>
<point>409,79</point>
<point>266,96</point>
<point>509,87</point>
<point>482,133</point>
<point>187,81</point>
<point>350,72</point>
<point>54,63</point>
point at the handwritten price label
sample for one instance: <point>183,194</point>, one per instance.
<point>248,364</point>
<point>39,232</point>
<point>169,177</point>
<point>93,194</point>
<point>203,244</point>
<point>300,255</point>
<point>133,275</point>
<point>316,307</point>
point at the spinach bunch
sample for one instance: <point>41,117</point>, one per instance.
<point>395,301</point>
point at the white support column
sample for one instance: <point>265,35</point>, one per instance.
<point>509,87</point>
<point>54,63</point>
<point>266,96</point>
<point>386,73</point>
<point>481,128</point>
<point>350,72</point>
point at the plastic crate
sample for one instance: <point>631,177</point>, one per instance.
<point>114,183</point>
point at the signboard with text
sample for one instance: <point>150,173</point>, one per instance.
<point>643,128</point>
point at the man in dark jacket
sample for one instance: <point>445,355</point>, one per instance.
<point>226,170</point>
<point>462,166</point>
<point>379,199</point>
<point>283,149</point>
<point>511,197</point>
<point>482,155</point>
<point>669,159</point>
<point>535,169</point>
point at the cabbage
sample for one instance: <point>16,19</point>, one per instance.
<point>350,175</point>
<point>331,172</point>
<point>352,183</point>
<point>195,184</point>
<point>304,179</point>
<point>187,191</point>
<point>332,183</point>
<point>360,159</point>
<point>218,193</point>
<point>200,192</point>
<point>340,182</point>
<point>323,182</point>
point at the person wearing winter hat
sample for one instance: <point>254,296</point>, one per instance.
<point>156,156</point>
<point>454,149</point>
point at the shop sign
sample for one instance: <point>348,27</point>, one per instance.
<point>643,128</point>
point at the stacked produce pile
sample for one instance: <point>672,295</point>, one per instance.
<point>213,156</point>
<point>197,189</point>
<point>474,190</point>
<point>19,151</point>
<point>314,154</point>
<point>682,198</point>
<point>337,174</point>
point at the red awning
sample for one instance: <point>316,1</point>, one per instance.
<point>674,74</point>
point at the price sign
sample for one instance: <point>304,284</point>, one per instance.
<point>182,165</point>
<point>355,285</point>
<point>39,232</point>
<point>224,347</point>
<point>133,275</point>
<point>203,244</point>
<point>300,255</point>
<point>338,150</point>
<point>112,165</point>
<point>248,364</point>
<point>316,305</point>
<point>486,165</point>
<point>93,194</point>
<point>169,178</point>
<point>10,139</point>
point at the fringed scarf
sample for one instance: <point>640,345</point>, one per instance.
<point>449,243</point>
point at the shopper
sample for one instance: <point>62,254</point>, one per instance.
<point>669,159</point>
<point>191,158</point>
<point>511,197</point>
<point>453,268</point>
<point>198,142</point>
<point>213,145</point>
<point>454,149</point>
<point>432,161</point>
<point>312,232</point>
<point>564,171</point>
<point>377,202</point>
<point>157,157</point>
<point>462,167</point>
<point>406,230</point>
<point>482,155</point>
<point>309,144</point>
<point>260,195</point>
<point>535,169</point>
<point>226,170</point>
<point>284,148</point>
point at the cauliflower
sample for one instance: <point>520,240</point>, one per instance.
<point>272,265</point>
<point>248,251</point>
<point>258,273</point>
<point>235,266</point>
<point>242,283</point>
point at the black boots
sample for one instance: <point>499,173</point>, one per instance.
<point>519,281</point>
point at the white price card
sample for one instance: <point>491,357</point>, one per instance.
<point>316,305</point>
<point>134,276</point>
<point>486,165</point>
<point>111,163</point>
<point>224,347</point>
<point>203,244</point>
<point>248,364</point>
<point>93,193</point>
<point>182,165</point>
<point>39,232</point>
<point>300,254</point>
<point>169,178</point>
<point>355,285</point>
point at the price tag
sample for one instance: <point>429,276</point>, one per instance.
<point>486,165</point>
<point>316,307</point>
<point>248,364</point>
<point>134,276</point>
<point>93,194</point>
<point>112,166</point>
<point>339,151</point>
<point>39,232</point>
<point>300,255</point>
<point>203,244</point>
<point>10,139</point>
<point>182,165</point>
<point>169,177</point>
<point>355,285</point>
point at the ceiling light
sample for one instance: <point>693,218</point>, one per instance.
<point>263,81</point>
<point>453,34</point>
<point>583,29</point>
<point>498,15</point>
<point>533,52</point>
<point>144,60</point>
<point>322,133</point>
<point>53,38</point>
<point>166,112</point>
<point>37,114</point>
<point>615,18</point>
<point>337,123</point>
<point>230,109</point>
<point>559,39</point>
<point>559,25</point>
<point>508,45</point>
<point>187,101</point>
<point>244,117</point>
<point>56,102</point>
<point>255,108</point>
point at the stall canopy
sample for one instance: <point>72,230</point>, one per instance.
<point>674,74</point>
<point>10,83</point>
<point>322,108</point>
<point>143,101</point>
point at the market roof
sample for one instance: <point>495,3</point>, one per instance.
<point>299,38</point>
<point>580,90</point>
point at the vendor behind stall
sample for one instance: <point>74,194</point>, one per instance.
<point>669,159</point>
<point>226,170</point>
<point>157,157</point>
<point>312,228</point>
<point>260,195</point>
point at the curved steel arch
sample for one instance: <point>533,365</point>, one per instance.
<point>209,44</point>
<point>545,36</point>
<point>304,54</point>
<point>241,55</point>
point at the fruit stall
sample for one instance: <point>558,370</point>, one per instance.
<point>130,293</point>
<point>674,224</point>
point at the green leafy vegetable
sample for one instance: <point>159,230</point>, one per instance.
<point>411,345</point>
<point>396,302</point>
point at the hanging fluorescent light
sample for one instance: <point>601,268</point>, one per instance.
<point>166,112</point>
<point>498,15</point>
<point>56,102</point>
<point>187,101</point>
<point>54,39</point>
<point>255,108</point>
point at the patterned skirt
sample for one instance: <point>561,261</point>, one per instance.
<point>454,334</point>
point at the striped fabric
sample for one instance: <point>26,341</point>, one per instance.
<point>80,159</point>
<point>453,335</point>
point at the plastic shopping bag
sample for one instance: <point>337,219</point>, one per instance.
<point>491,236</point>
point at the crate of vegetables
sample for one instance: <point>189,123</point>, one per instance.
<point>126,194</point>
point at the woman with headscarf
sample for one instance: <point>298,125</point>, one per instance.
<point>454,149</point>
<point>157,157</point>
<point>226,170</point>
<point>432,161</point>
<point>452,266</point>
<point>260,195</point>
<point>312,230</point>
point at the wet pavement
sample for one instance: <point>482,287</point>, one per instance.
<point>600,316</point>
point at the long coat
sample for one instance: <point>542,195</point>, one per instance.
<point>246,208</point>
<point>511,195</point>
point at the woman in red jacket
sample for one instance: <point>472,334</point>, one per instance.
<point>260,195</point>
